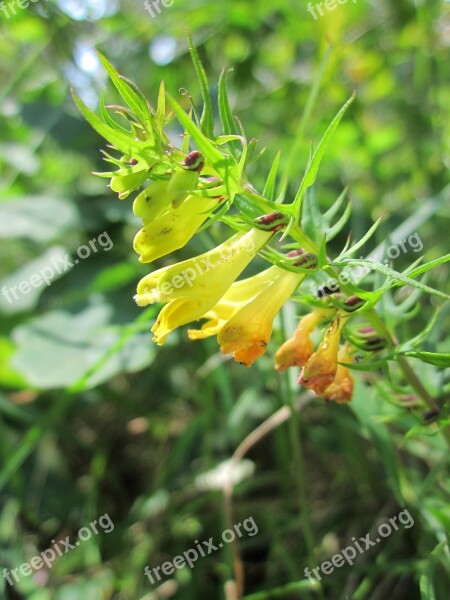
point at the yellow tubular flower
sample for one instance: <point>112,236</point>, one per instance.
<point>341,390</point>
<point>152,201</point>
<point>243,318</point>
<point>248,332</point>
<point>181,184</point>
<point>320,369</point>
<point>173,229</point>
<point>238,294</point>
<point>297,350</point>
<point>191,288</point>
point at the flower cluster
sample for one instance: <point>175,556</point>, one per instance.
<point>183,190</point>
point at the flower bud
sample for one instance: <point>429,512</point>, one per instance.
<point>353,303</point>
<point>272,222</point>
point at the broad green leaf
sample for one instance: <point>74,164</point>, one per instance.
<point>22,289</point>
<point>59,348</point>
<point>37,218</point>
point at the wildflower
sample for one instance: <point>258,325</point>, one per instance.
<point>152,201</point>
<point>320,369</point>
<point>297,350</point>
<point>341,389</point>
<point>243,318</point>
<point>126,183</point>
<point>191,288</point>
<point>173,229</point>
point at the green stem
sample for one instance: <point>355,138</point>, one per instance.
<point>294,430</point>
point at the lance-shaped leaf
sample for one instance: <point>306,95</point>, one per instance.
<point>129,92</point>
<point>206,120</point>
<point>120,140</point>
<point>314,163</point>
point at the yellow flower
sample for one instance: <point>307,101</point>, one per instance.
<point>172,229</point>
<point>341,390</point>
<point>243,318</point>
<point>296,351</point>
<point>194,286</point>
<point>152,201</point>
<point>320,369</point>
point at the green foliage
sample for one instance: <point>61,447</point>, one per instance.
<point>95,419</point>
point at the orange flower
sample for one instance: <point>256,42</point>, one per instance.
<point>296,351</point>
<point>341,390</point>
<point>320,369</point>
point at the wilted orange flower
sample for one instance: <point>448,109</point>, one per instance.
<point>320,369</point>
<point>296,351</point>
<point>341,390</point>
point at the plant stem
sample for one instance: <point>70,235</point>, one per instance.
<point>299,462</point>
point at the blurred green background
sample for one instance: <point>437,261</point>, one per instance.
<point>95,419</point>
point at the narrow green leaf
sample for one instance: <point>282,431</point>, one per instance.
<point>226,116</point>
<point>312,220</point>
<point>398,277</point>
<point>107,117</point>
<point>224,165</point>
<point>364,239</point>
<point>306,115</point>
<point>207,120</point>
<point>336,206</point>
<point>269,187</point>
<point>333,231</point>
<point>439,359</point>
<point>129,92</point>
<point>123,142</point>
<point>429,265</point>
<point>314,163</point>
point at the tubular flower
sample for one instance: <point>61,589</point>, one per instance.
<point>172,229</point>
<point>152,201</point>
<point>320,369</point>
<point>297,350</point>
<point>239,293</point>
<point>191,288</point>
<point>341,390</point>
<point>243,318</point>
